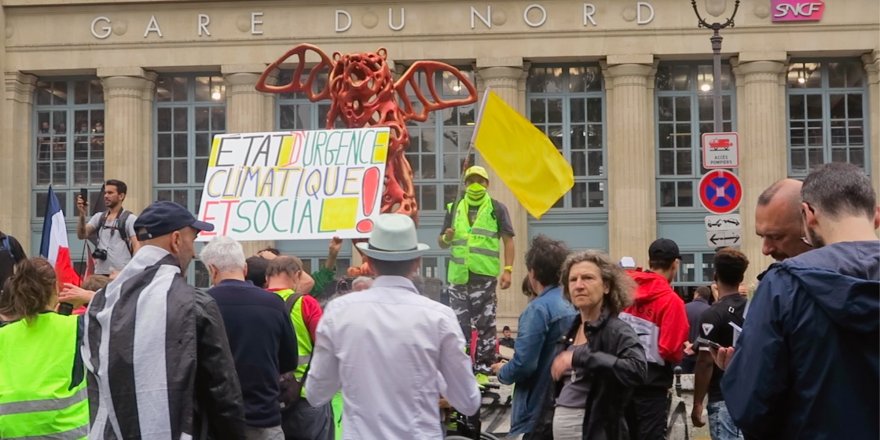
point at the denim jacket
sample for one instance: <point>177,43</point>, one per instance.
<point>542,324</point>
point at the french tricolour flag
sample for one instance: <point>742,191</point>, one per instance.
<point>53,245</point>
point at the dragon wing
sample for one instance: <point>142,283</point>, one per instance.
<point>430,101</point>
<point>296,83</point>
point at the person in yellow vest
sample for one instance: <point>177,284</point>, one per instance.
<point>42,377</point>
<point>474,228</point>
<point>300,421</point>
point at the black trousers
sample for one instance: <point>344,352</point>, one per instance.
<point>647,413</point>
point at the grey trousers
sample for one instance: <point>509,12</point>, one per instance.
<point>568,423</point>
<point>271,433</point>
<point>302,421</point>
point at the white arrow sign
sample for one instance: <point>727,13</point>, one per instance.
<point>723,222</point>
<point>716,239</point>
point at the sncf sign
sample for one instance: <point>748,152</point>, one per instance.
<point>797,10</point>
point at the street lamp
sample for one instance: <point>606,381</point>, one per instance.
<point>716,8</point>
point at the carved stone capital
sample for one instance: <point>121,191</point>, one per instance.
<point>20,87</point>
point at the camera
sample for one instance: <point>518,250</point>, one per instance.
<point>99,254</point>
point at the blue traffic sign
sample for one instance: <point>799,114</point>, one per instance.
<point>720,191</point>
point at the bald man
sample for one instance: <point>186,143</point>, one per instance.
<point>778,220</point>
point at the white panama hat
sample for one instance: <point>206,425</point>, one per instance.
<point>393,239</point>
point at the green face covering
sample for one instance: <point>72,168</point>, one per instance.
<point>475,193</point>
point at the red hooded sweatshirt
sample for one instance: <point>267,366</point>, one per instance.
<point>656,302</point>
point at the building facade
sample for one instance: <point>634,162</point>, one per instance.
<point>135,90</point>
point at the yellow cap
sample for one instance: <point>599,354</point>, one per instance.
<point>478,170</point>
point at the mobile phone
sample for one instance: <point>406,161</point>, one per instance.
<point>84,194</point>
<point>703,341</point>
<point>65,309</point>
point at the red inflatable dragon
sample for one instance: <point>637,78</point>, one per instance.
<point>363,93</point>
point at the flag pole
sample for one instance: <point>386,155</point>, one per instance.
<point>465,164</point>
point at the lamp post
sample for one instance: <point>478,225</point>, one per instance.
<point>715,8</point>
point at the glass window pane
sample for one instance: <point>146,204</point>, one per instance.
<point>554,107</point>
<point>81,92</point>
<point>814,106</point>
<point>837,106</point>
<point>667,194</point>
<point>857,156</point>
<point>579,195</point>
<point>203,88</point>
<point>202,118</point>
<point>854,105</point>
<point>218,118</point>
<point>685,194</point>
<point>799,161</point>
<point>596,194</point>
<point>796,109</point>
<point>683,162</point>
<point>180,171</point>
<point>682,108</point>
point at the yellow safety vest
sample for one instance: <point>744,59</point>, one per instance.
<point>304,343</point>
<point>40,393</point>
<point>475,248</point>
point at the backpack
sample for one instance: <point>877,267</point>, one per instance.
<point>291,389</point>
<point>123,231</point>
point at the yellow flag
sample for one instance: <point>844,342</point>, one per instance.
<point>522,156</point>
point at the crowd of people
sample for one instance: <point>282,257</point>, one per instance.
<point>258,357</point>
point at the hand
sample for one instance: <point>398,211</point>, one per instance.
<point>75,295</point>
<point>505,280</point>
<point>335,246</point>
<point>688,348</point>
<point>697,415</point>
<point>448,234</point>
<point>80,205</point>
<point>496,367</point>
<point>561,364</point>
<point>722,356</point>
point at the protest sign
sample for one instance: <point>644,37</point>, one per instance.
<point>294,185</point>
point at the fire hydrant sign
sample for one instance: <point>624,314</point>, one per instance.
<point>720,150</point>
<point>295,185</point>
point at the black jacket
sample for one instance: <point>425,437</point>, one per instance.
<point>150,320</point>
<point>615,362</point>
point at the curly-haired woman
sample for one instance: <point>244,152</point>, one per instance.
<point>600,360</point>
<point>42,383</point>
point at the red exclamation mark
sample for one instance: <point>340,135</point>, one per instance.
<point>370,192</point>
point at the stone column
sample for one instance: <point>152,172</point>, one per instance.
<point>872,65</point>
<point>15,148</point>
<point>632,219</point>
<point>128,144</point>
<point>247,111</point>
<point>763,151</point>
<point>505,78</point>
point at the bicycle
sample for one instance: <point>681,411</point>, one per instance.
<point>469,427</point>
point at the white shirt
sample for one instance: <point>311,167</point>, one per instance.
<point>384,347</point>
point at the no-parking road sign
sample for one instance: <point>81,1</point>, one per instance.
<point>720,191</point>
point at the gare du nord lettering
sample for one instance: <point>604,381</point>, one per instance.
<point>534,15</point>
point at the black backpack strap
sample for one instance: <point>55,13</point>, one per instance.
<point>290,302</point>
<point>123,229</point>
